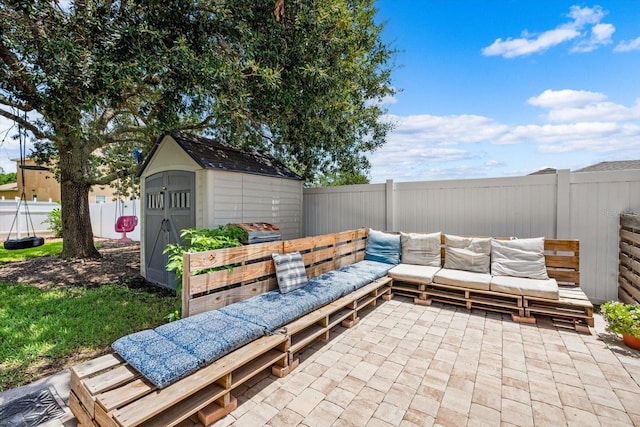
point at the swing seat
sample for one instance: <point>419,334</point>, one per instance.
<point>23,243</point>
<point>126,223</point>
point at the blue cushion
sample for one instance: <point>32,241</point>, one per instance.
<point>383,247</point>
<point>272,310</point>
<point>210,335</point>
<point>366,272</point>
<point>158,359</point>
<point>290,271</point>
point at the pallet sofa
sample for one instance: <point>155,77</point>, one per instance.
<point>426,277</point>
<point>235,302</point>
<point>237,325</point>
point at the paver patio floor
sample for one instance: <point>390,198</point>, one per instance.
<point>410,365</point>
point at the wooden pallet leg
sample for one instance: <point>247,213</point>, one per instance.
<point>387,296</point>
<point>523,319</point>
<point>582,328</point>
<point>215,411</point>
<point>420,301</point>
<point>282,371</point>
<point>350,323</point>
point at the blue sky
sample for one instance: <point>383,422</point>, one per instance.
<point>504,87</point>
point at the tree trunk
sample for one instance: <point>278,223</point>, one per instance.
<point>77,235</point>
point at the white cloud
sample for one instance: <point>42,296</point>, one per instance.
<point>427,147</point>
<point>511,48</point>
<point>446,130</point>
<point>599,35</point>
<point>579,106</point>
<point>628,46</point>
<point>565,98</point>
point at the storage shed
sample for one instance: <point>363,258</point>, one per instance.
<point>190,181</point>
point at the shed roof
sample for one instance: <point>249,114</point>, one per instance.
<point>612,166</point>
<point>212,154</point>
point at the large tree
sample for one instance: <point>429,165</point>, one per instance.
<point>324,114</point>
<point>91,79</point>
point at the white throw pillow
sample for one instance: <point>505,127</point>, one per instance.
<point>519,258</point>
<point>421,249</point>
<point>467,253</point>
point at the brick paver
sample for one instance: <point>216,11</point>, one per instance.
<point>409,365</point>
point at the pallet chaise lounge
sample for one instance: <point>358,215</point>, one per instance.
<point>237,324</point>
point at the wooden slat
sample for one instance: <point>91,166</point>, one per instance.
<point>630,236</point>
<point>560,261</point>
<point>308,243</point>
<point>222,278</point>
<point>630,221</point>
<point>96,365</point>
<point>629,275</point>
<point>630,288</point>
<point>185,408</point>
<point>220,257</point>
<point>121,396</point>
<point>221,299</point>
<point>565,276</point>
<point>357,246</point>
<point>79,411</point>
<point>343,236</point>
<point>630,263</point>
<point>562,245</point>
<point>630,250</point>
<point>326,254</point>
<point>318,269</point>
<point>113,378</point>
<point>160,400</point>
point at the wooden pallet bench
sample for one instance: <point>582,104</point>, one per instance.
<point>562,259</point>
<point>108,392</point>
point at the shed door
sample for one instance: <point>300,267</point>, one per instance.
<point>169,198</point>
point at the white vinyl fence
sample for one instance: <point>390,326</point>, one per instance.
<point>581,205</point>
<point>38,212</point>
<point>103,218</point>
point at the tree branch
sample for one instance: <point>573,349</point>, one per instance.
<point>29,126</point>
<point>19,74</point>
<point>14,104</point>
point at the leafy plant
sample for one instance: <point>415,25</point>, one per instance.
<point>199,240</point>
<point>622,318</point>
<point>54,219</point>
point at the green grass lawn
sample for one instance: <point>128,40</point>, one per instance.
<point>46,330</point>
<point>43,330</point>
<point>49,248</point>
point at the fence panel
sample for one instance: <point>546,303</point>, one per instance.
<point>104,216</point>
<point>584,206</point>
<point>38,212</point>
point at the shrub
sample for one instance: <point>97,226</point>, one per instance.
<point>54,219</point>
<point>622,318</point>
<point>199,240</point>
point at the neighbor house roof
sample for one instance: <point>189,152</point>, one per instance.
<point>544,171</point>
<point>612,166</point>
<point>12,186</point>
<point>212,154</point>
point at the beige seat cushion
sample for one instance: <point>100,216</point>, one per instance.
<point>413,273</point>
<point>529,287</point>
<point>463,279</point>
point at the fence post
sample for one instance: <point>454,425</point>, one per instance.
<point>563,204</point>
<point>390,206</point>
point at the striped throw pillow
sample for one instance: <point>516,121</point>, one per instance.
<point>290,271</point>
